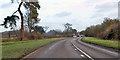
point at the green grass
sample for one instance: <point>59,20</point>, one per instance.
<point>106,43</point>
<point>21,48</point>
<point>0,52</point>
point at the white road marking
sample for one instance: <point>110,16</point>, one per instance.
<point>82,56</point>
<point>82,51</point>
<point>100,49</point>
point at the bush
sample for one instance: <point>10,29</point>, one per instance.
<point>109,29</point>
<point>32,36</point>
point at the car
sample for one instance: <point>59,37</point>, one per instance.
<point>74,36</point>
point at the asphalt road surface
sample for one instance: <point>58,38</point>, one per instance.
<point>72,48</point>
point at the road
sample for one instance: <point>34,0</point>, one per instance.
<point>72,48</point>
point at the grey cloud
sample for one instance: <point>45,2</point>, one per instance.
<point>30,0</point>
<point>96,15</point>
<point>6,5</point>
<point>119,10</point>
<point>92,1</point>
<point>55,3</point>
<point>106,7</point>
<point>113,14</point>
<point>62,14</point>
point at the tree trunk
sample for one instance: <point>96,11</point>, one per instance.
<point>22,26</point>
<point>9,35</point>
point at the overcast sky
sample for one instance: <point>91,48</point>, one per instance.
<point>54,13</point>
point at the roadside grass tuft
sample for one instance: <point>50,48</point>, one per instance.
<point>107,43</point>
<point>21,48</point>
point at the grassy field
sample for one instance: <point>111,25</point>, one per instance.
<point>20,48</point>
<point>106,43</point>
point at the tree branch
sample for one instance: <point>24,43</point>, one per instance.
<point>14,12</point>
<point>18,8</point>
<point>20,5</point>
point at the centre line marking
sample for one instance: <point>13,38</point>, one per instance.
<point>81,51</point>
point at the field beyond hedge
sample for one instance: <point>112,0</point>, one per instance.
<point>107,43</point>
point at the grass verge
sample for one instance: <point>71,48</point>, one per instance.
<point>107,43</point>
<point>21,48</point>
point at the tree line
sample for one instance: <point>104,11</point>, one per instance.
<point>109,29</point>
<point>68,31</point>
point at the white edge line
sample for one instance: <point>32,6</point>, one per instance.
<point>101,48</point>
<point>82,51</point>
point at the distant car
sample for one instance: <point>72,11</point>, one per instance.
<point>74,36</point>
<point>81,35</point>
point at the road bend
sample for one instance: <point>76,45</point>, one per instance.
<point>94,51</point>
<point>72,48</point>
